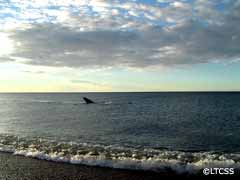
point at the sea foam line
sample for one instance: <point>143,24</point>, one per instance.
<point>152,164</point>
<point>117,157</point>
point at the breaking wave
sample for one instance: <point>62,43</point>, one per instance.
<point>64,102</point>
<point>116,156</point>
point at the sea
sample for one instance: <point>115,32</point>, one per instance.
<point>180,132</point>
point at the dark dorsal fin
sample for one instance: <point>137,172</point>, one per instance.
<point>87,101</point>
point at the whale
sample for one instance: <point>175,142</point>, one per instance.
<point>88,101</point>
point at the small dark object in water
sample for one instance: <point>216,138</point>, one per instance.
<point>88,101</point>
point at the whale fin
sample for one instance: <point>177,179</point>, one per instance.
<point>88,101</point>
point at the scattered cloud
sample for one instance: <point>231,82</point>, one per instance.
<point>90,85</point>
<point>35,72</point>
<point>77,81</point>
<point>99,34</point>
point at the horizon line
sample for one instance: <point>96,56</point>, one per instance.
<point>170,91</point>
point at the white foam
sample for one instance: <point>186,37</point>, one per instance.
<point>153,164</point>
<point>108,102</point>
<point>6,149</point>
<point>117,157</point>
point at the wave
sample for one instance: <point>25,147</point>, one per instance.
<point>107,102</point>
<point>54,102</point>
<point>117,156</point>
<point>63,102</point>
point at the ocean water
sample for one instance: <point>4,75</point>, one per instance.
<point>181,132</point>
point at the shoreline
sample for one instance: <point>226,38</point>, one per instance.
<point>15,167</point>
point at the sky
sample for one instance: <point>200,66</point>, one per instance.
<point>119,45</point>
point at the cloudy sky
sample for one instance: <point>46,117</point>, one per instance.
<point>119,45</point>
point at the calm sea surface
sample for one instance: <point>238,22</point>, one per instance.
<point>124,130</point>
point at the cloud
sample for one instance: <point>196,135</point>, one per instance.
<point>136,35</point>
<point>35,72</point>
<point>85,84</point>
<point>88,14</point>
<point>77,81</point>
